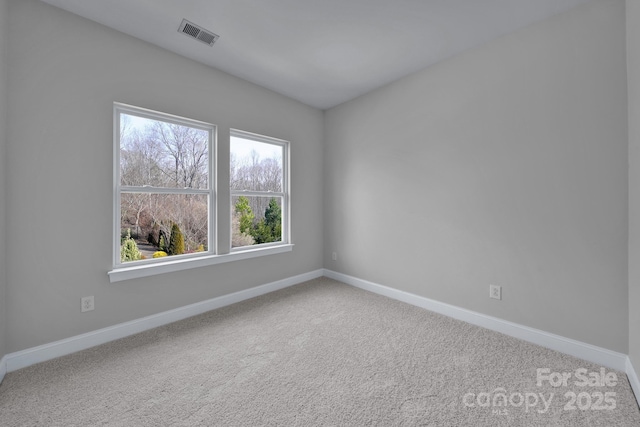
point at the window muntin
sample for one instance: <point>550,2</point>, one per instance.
<point>259,190</point>
<point>163,186</point>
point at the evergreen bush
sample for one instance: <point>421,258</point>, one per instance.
<point>176,241</point>
<point>246,214</point>
<point>163,242</point>
<point>273,219</point>
<point>129,249</point>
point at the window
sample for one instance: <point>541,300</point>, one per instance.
<point>164,187</point>
<point>259,190</point>
<point>165,200</point>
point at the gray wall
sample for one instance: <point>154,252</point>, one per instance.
<point>504,165</point>
<point>65,72</point>
<point>633,75</point>
<point>3,142</point>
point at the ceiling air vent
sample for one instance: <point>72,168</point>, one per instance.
<point>195,31</point>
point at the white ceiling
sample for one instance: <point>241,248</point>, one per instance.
<point>320,52</point>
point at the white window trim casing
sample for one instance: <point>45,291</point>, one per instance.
<point>144,268</point>
<point>285,194</point>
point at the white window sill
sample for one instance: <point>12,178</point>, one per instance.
<point>134,272</point>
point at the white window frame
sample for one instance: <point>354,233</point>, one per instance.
<point>284,194</point>
<point>210,191</point>
<point>143,268</point>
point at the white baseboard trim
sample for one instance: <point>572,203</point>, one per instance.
<point>591,353</point>
<point>633,380</point>
<point>3,368</point>
<point>31,356</point>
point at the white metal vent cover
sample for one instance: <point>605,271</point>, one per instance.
<point>197,32</point>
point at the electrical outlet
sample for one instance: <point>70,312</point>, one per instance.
<point>334,256</point>
<point>495,292</point>
<point>86,304</point>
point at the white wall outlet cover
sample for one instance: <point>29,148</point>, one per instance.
<point>86,304</point>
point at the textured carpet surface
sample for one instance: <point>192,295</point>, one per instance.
<point>320,353</point>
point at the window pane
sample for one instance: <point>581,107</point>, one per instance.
<point>255,220</point>
<point>256,166</point>
<point>161,154</point>
<point>151,219</point>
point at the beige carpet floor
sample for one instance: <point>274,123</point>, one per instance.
<point>320,353</point>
